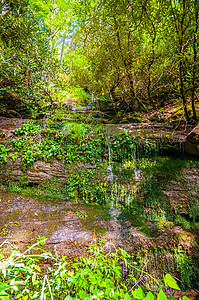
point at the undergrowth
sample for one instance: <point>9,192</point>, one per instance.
<point>38,274</point>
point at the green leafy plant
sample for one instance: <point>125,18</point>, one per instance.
<point>13,156</point>
<point>18,143</point>
<point>96,276</point>
<point>28,128</point>
<point>4,230</point>
<point>123,146</point>
<point>193,208</point>
<point>81,186</point>
<point>3,154</point>
<point>170,282</point>
<point>51,149</point>
<point>77,130</point>
<point>30,153</point>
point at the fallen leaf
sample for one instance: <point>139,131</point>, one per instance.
<point>94,237</point>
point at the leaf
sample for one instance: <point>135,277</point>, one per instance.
<point>127,297</point>
<point>170,282</point>
<point>68,298</point>
<point>139,293</point>
<point>94,237</point>
<point>4,296</point>
<point>184,298</point>
<point>3,286</point>
<point>161,295</point>
<point>149,296</point>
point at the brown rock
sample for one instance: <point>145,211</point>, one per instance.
<point>40,171</point>
<point>192,142</point>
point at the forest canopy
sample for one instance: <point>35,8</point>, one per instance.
<point>135,54</point>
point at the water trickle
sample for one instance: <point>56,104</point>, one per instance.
<point>109,168</point>
<point>137,172</point>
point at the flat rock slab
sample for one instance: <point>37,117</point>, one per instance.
<point>11,123</point>
<point>70,227</point>
<point>39,172</point>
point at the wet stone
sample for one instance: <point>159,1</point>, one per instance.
<point>24,218</point>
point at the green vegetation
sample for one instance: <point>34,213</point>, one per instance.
<point>98,276</point>
<point>74,142</point>
<point>82,186</point>
<point>3,154</point>
<point>126,57</point>
<point>84,149</point>
<point>69,66</point>
<point>123,146</point>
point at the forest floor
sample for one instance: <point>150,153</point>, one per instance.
<point>171,114</point>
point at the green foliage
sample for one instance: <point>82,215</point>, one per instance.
<point>28,128</point>
<point>13,156</point>
<point>35,143</point>
<point>4,230</point>
<point>26,60</point>
<point>83,145</point>
<point>193,208</point>
<point>73,93</point>
<point>18,143</point>
<point>51,149</point>
<point>170,282</point>
<point>82,186</point>
<point>183,222</point>
<point>76,130</point>
<point>30,153</point>
<point>123,146</point>
<point>3,154</point>
<point>184,268</point>
<point>97,276</point>
<point>153,194</point>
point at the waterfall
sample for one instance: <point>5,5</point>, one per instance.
<point>137,172</point>
<point>109,168</point>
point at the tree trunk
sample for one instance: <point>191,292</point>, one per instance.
<point>51,32</point>
<point>194,63</point>
<point>181,40</point>
<point>62,47</point>
<point>182,91</point>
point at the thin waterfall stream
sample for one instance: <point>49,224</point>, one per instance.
<point>109,168</point>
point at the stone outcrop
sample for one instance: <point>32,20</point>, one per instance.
<point>192,142</point>
<point>40,171</point>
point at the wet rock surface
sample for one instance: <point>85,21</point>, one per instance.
<point>24,218</point>
<point>192,142</point>
<point>8,124</point>
<point>147,130</point>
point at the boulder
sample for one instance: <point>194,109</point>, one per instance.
<point>192,142</point>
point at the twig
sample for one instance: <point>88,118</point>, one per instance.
<point>138,281</point>
<point>43,287</point>
<point>188,285</point>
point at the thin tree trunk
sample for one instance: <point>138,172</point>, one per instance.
<point>180,33</point>
<point>182,91</point>
<point>51,32</point>
<point>181,39</point>
<point>62,47</point>
<point>194,63</point>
